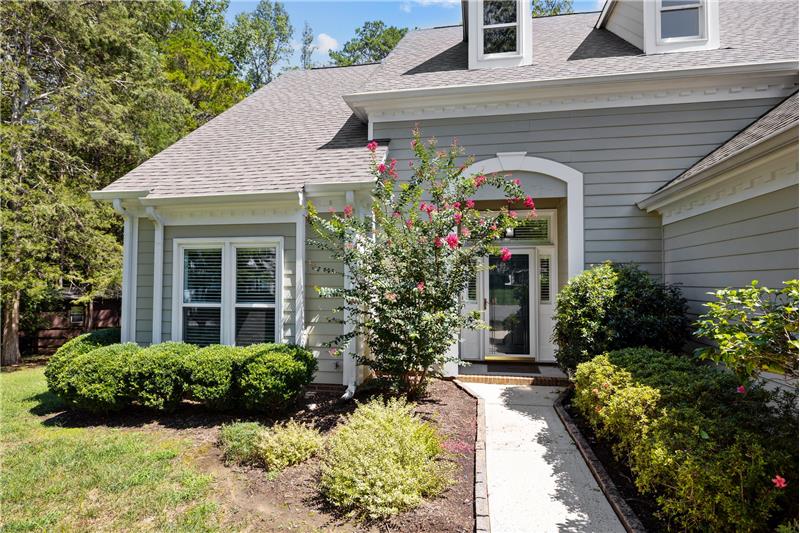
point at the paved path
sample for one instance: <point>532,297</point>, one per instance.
<point>537,478</point>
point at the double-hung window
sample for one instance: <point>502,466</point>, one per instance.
<point>500,28</point>
<point>680,19</point>
<point>227,291</point>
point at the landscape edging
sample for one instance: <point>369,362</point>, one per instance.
<point>629,520</point>
<point>481,507</point>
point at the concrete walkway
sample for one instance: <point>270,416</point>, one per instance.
<point>536,477</point>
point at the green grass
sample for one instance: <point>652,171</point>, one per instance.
<point>63,478</point>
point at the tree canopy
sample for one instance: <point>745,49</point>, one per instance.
<point>373,41</point>
<point>544,8</point>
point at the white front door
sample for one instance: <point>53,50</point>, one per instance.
<point>515,300</point>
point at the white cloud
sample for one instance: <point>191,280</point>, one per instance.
<point>326,43</point>
<point>406,6</point>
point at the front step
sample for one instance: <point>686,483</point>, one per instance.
<point>548,381</point>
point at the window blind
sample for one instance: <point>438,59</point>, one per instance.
<point>201,325</point>
<point>544,279</point>
<point>255,275</point>
<point>202,275</point>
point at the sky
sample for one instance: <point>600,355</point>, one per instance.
<point>334,22</point>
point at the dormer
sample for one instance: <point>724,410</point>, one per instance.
<point>663,26</point>
<point>498,33</point>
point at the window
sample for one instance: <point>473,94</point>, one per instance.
<point>544,279</point>
<point>680,19</point>
<point>228,291</point>
<point>500,28</point>
<point>77,315</point>
<point>535,229</point>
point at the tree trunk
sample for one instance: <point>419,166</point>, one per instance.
<point>10,355</point>
<point>90,316</point>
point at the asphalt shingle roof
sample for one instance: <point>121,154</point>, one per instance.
<point>778,119</point>
<point>295,131</point>
<point>567,46</point>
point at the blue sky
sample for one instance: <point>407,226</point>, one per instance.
<point>334,22</point>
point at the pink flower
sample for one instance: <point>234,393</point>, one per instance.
<point>390,296</point>
<point>741,390</point>
<point>396,214</point>
<point>779,482</point>
<point>381,168</point>
<point>517,182</point>
<point>392,163</point>
<point>452,240</point>
<point>430,208</point>
<point>348,211</point>
<point>437,242</point>
<point>470,204</point>
<point>529,202</point>
<point>457,217</point>
<point>422,206</point>
<point>332,352</point>
<point>372,146</point>
<point>409,223</point>
<point>512,214</point>
<point>413,143</point>
<point>421,286</point>
<point>480,180</point>
<point>457,205</point>
<point>331,210</point>
<point>493,227</point>
<point>505,254</point>
<point>465,233</point>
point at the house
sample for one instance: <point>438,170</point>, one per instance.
<point>658,132</point>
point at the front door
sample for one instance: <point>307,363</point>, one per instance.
<point>510,306</point>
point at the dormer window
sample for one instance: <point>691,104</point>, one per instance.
<point>499,33</point>
<point>680,19</point>
<point>500,27</point>
<point>680,25</point>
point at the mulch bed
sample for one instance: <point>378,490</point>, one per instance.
<point>644,506</point>
<point>291,501</point>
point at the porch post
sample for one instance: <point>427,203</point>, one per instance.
<point>158,272</point>
<point>348,357</point>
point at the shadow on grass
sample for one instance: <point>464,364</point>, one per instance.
<point>46,403</point>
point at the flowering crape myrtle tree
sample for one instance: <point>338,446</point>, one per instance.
<point>410,259</point>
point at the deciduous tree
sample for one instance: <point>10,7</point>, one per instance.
<point>261,40</point>
<point>373,41</point>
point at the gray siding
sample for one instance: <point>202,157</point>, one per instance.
<point>144,282</point>
<point>730,246</point>
<point>319,311</point>
<point>627,21</point>
<point>624,153</point>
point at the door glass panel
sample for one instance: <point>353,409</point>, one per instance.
<point>508,306</point>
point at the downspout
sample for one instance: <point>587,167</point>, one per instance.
<point>158,272</point>
<point>300,273</point>
<point>127,239</point>
<point>349,362</point>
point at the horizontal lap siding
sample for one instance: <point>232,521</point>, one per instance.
<point>144,282</point>
<point>319,311</point>
<point>624,153</point>
<point>730,246</point>
<point>627,21</point>
<point>287,231</point>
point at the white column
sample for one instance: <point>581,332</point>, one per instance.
<point>348,357</point>
<point>158,272</point>
<point>300,275</point>
<point>129,238</point>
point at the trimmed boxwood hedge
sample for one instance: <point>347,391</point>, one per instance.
<point>705,448</point>
<point>72,348</point>
<point>266,377</point>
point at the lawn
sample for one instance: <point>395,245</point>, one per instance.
<point>79,478</point>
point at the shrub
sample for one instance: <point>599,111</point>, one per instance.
<point>238,442</point>
<point>287,444</point>
<point>271,377</point>
<point>96,381</point>
<point>155,377</point>
<point>382,461</point>
<point>753,329</point>
<point>209,374</point>
<point>72,348</point>
<point>610,307</point>
<point>704,447</point>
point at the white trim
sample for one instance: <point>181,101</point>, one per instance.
<point>158,272</point>
<point>523,55</point>
<point>227,303</point>
<point>692,85</point>
<point>775,171</point>
<point>511,161</point>
<point>708,26</point>
<point>349,371</point>
<point>130,239</point>
<point>300,275</point>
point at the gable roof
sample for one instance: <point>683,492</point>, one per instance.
<point>779,119</point>
<point>569,46</point>
<point>292,132</point>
